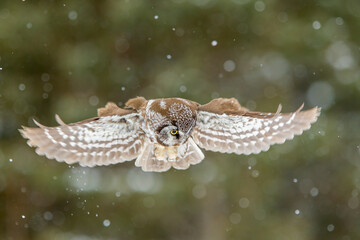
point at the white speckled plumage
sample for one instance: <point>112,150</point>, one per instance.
<point>165,133</point>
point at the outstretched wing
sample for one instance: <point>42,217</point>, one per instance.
<point>103,140</point>
<point>223,125</point>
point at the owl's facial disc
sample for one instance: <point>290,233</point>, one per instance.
<point>171,135</point>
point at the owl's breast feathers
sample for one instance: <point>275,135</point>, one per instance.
<point>165,153</point>
<point>158,158</point>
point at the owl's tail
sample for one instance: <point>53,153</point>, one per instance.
<point>187,154</point>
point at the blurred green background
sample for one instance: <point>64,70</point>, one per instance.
<point>71,57</point>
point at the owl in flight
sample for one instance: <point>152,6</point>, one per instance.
<point>165,133</point>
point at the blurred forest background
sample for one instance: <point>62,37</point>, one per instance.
<point>71,57</point>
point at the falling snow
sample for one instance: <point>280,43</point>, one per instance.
<point>244,202</point>
<point>73,15</point>
<point>339,21</point>
<point>214,43</point>
<point>259,6</point>
<point>183,88</point>
<point>316,25</point>
<point>330,227</point>
<point>106,222</point>
<point>229,65</point>
<point>22,87</point>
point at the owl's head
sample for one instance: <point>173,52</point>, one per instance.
<point>172,135</point>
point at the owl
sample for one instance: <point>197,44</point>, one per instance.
<point>165,133</point>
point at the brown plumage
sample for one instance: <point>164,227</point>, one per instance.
<point>165,133</point>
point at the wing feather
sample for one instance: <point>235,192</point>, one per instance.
<point>244,132</point>
<point>102,140</point>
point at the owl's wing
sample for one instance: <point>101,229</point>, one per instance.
<point>224,126</point>
<point>103,140</point>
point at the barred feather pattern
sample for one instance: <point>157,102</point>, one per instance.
<point>98,141</point>
<point>250,132</point>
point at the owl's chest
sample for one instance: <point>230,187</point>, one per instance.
<point>165,153</point>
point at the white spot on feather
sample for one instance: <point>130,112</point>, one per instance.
<point>65,136</point>
<point>163,104</point>
<point>46,131</point>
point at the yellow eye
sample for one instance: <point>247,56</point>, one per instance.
<point>173,132</point>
